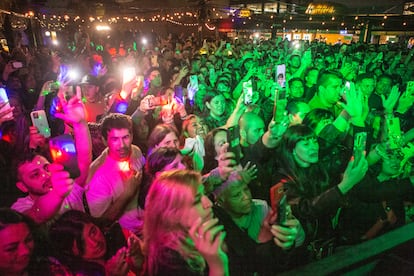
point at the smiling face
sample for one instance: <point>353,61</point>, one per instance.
<point>94,242</point>
<point>306,152</point>
<point>16,248</point>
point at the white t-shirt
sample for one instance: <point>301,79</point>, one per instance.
<point>106,186</point>
<point>73,201</point>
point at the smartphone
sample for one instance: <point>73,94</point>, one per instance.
<point>281,75</point>
<point>282,211</point>
<point>63,151</point>
<point>17,64</point>
<point>279,105</point>
<point>128,75</point>
<point>194,81</point>
<point>154,60</point>
<point>360,142</point>
<point>248,92</point>
<point>394,132</point>
<point>157,101</point>
<point>178,93</point>
<point>119,105</point>
<point>39,120</point>
<point>5,99</point>
<point>233,138</point>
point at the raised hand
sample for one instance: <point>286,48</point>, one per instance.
<point>6,113</point>
<point>73,109</point>
<point>389,102</point>
<point>35,138</point>
<point>354,103</point>
<point>61,183</point>
<point>353,174</point>
<point>134,255</point>
<point>249,172</point>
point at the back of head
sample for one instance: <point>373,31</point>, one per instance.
<point>248,119</point>
<point>315,116</point>
<point>9,217</point>
<point>67,231</point>
<point>115,121</point>
<point>159,158</point>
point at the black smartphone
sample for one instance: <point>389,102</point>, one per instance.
<point>360,141</point>
<point>63,151</point>
<point>233,138</point>
<point>282,211</point>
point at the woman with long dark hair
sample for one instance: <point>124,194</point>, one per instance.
<point>314,198</point>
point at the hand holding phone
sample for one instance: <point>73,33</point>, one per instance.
<point>282,211</point>
<point>194,82</point>
<point>39,120</point>
<point>63,151</point>
<point>394,133</point>
<point>5,106</point>
<point>233,138</point>
<point>17,64</point>
<point>360,141</point>
<point>248,92</point>
<point>281,75</point>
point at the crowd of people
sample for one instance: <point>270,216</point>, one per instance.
<point>201,158</point>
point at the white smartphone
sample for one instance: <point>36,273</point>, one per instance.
<point>281,75</point>
<point>194,81</point>
<point>5,99</point>
<point>39,120</point>
<point>248,92</point>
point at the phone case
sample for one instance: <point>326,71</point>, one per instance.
<point>360,141</point>
<point>63,151</point>
<point>233,138</point>
<point>5,99</point>
<point>39,120</point>
<point>282,211</point>
<point>248,92</point>
<point>281,75</point>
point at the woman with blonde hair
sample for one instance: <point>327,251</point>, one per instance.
<point>181,235</point>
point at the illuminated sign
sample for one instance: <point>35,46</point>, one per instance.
<point>320,9</point>
<point>244,13</point>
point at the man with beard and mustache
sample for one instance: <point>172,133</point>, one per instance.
<point>115,176</point>
<point>50,189</point>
